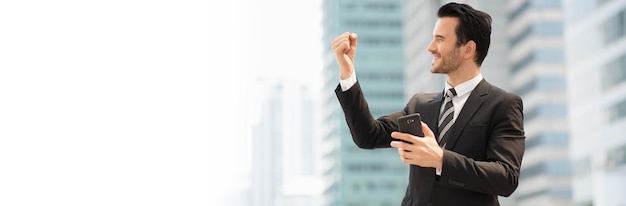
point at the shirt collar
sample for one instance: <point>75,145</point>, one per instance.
<point>466,86</point>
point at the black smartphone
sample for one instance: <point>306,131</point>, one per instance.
<point>411,124</point>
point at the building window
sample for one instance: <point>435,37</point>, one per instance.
<point>616,158</point>
<point>614,28</point>
<point>617,111</point>
<point>519,10</point>
<point>537,4</point>
<point>579,10</point>
<point>351,6</point>
<point>548,139</point>
<point>553,192</point>
<point>546,110</point>
<point>539,55</point>
<point>614,73</point>
<point>386,6</point>
<point>550,168</point>
<point>384,74</point>
<point>390,185</point>
<point>542,83</point>
<point>601,2</point>
<point>541,29</point>
<point>374,23</point>
<point>382,40</point>
<point>367,167</point>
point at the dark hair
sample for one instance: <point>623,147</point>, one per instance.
<point>473,25</point>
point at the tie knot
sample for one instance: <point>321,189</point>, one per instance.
<point>450,92</point>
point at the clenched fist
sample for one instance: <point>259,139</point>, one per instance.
<point>344,47</point>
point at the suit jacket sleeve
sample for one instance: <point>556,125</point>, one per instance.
<point>367,132</point>
<point>499,172</point>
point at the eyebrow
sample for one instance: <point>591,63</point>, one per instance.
<point>439,36</point>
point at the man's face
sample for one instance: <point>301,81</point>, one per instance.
<point>447,57</point>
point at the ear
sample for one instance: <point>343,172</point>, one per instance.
<point>470,49</point>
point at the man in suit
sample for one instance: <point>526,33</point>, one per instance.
<point>473,140</point>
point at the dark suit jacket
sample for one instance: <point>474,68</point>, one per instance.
<point>483,151</point>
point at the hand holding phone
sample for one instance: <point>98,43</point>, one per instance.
<point>411,124</point>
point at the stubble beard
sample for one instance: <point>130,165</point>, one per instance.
<point>449,63</point>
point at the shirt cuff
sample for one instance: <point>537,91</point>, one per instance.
<point>348,83</point>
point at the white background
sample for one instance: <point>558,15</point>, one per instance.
<point>137,102</point>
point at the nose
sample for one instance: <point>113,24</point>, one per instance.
<point>431,47</point>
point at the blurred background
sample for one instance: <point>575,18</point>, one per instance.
<point>566,59</point>
<point>232,103</point>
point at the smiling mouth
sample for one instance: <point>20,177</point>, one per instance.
<point>435,58</point>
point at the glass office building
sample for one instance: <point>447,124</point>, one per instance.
<point>283,158</point>
<point>355,176</point>
<point>537,60</point>
<point>267,164</point>
<point>595,32</point>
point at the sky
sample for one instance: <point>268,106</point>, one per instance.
<point>137,102</point>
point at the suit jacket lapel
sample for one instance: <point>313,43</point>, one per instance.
<point>431,116</point>
<point>474,101</point>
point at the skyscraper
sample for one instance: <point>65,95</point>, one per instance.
<point>283,157</point>
<point>267,147</point>
<point>537,62</point>
<point>595,32</point>
<point>355,176</point>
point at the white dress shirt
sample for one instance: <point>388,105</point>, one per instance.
<point>463,91</point>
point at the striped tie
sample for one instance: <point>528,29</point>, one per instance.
<point>445,119</point>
